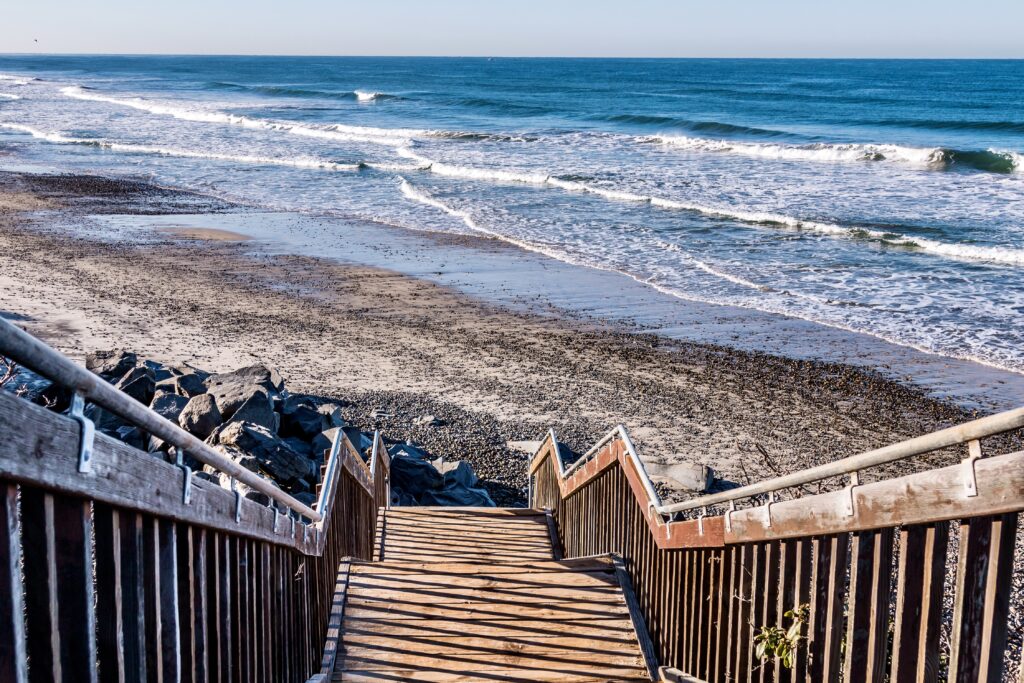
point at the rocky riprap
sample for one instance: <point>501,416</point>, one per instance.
<point>250,417</point>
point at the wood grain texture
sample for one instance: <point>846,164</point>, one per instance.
<point>450,605</point>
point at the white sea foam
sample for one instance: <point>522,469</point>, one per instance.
<point>384,136</point>
<point>8,79</point>
<point>8,96</point>
<point>295,162</point>
<point>922,156</point>
<point>958,251</point>
<point>368,96</point>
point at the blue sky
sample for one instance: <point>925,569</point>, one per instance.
<point>667,28</point>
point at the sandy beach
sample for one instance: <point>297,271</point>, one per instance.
<point>406,347</point>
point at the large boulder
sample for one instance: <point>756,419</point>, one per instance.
<point>324,440</point>
<point>189,385</point>
<point>274,456</point>
<point>456,472</point>
<point>331,413</point>
<point>200,416</point>
<point>139,384</point>
<point>414,475</point>
<point>169,406</point>
<point>302,422</point>
<point>111,365</point>
<point>256,409</point>
<point>233,388</point>
<point>457,494</point>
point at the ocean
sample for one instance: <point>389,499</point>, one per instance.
<point>876,196</point>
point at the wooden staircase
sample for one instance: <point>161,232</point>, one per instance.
<point>476,594</point>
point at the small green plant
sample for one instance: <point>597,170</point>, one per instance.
<point>776,642</point>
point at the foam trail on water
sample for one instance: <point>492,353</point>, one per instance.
<point>956,251</point>
<point>15,80</point>
<point>384,136</point>
<point>8,96</point>
<point>992,160</point>
<point>298,162</point>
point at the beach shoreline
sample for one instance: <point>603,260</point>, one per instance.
<point>407,346</point>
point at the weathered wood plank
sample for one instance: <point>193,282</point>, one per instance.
<point>41,448</point>
<point>921,498</point>
<point>40,576</point>
<point>109,602</point>
<point>868,604</point>
<point>13,652</point>
<point>982,599</point>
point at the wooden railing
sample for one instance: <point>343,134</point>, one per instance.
<point>867,562</point>
<point>137,570</point>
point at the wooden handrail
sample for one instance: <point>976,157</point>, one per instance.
<point>707,586</point>
<point>959,434</point>
<point>26,350</point>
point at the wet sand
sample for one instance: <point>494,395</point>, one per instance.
<point>384,340</point>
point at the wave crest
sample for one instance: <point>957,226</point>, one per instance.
<point>992,161</point>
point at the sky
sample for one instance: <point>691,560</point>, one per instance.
<point>575,28</point>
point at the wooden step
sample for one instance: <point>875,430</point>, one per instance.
<point>475,595</point>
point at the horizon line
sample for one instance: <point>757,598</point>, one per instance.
<point>482,56</point>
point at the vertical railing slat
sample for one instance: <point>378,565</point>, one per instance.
<point>13,653</point>
<point>40,571</point>
<point>982,598</point>
<point>109,601</point>
<point>868,605</point>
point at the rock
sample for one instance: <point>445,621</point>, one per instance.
<point>111,365</point>
<point>331,413</point>
<point>399,497</point>
<point>189,385</point>
<point>256,409</point>
<point>186,369</point>
<point>133,436</point>
<point>528,447</point>
<point>169,406</point>
<point>227,384</point>
<point>456,472</point>
<point>380,414</point>
<point>200,416</point>
<point>324,440</point>
<point>104,420</point>
<point>686,476</point>
<point>408,450</point>
<point>138,383</point>
<point>414,475</point>
<point>160,371</point>
<point>231,394</point>
<point>457,494</point>
<point>301,421</point>
<point>274,456</point>
<point>426,421</point>
<point>300,447</point>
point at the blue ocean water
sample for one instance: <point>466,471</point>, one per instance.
<point>879,196</point>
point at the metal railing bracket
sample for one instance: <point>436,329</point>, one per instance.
<point>87,432</point>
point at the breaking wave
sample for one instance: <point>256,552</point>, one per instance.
<point>15,80</point>
<point>992,161</point>
<point>297,162</point>
<point>8,96</point>
<point>956,251</point>
<point>385,136</point>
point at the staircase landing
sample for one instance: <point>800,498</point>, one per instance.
<point>474,594</point>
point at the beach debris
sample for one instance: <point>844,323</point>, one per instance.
<point>426,421</point>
